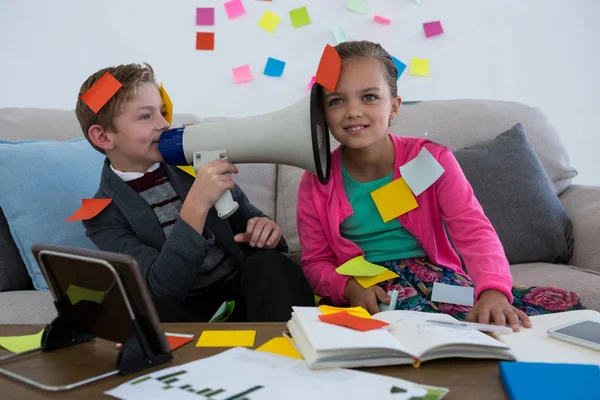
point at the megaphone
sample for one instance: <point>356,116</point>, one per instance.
<point>297,135</point>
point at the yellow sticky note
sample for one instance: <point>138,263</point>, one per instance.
<point>358,266</point>
<point>168,104</point>
<point>78,293</point>
<point>187,168</point>
<point>281,346</point>
<point>18,344</point>
<point>419,67</point>
<point>269,21</point>
<point>394,199</point>
<point>356,311</point>
<point>368,281</point>
<point>226,339</point>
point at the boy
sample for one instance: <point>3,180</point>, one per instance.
<point>191,260</point>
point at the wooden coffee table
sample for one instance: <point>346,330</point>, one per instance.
<point>466,378</point>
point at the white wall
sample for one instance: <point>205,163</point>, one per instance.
<point>545,53</point>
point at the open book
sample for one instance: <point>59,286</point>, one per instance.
<point>406,340</point>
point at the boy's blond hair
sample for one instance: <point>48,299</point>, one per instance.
<point>131,76</point>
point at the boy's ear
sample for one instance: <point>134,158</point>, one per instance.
<point>395,107</point>
<point>100,138</point>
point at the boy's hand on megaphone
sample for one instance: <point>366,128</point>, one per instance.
<point>260,232</point>
<point>212,179</point>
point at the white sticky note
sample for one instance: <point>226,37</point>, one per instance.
<point>461,295</point>
<point>421,172</point>
<point>339,34</point>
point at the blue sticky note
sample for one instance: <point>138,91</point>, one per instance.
<point>421,172</point>
<point>274,67</point>
<point>400,66</point>
<point>526,381</point>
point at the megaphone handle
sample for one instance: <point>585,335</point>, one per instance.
<point>225,205</point>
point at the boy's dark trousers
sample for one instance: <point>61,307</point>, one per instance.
<point>265,287</point>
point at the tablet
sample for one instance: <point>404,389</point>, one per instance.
<point>102,293</point>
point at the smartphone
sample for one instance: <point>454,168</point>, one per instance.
<point>583,333</point>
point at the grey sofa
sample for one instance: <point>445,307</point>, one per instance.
<point>273,188</point>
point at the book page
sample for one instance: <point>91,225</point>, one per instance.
<point>534,344</point>
<point>411,329</point>
<point>327,337</point>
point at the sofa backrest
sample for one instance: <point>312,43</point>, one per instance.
<point>457,124</point>
<point>17,124</point>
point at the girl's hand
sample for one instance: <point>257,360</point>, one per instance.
<point>366,298</point>
<point>494,306</point>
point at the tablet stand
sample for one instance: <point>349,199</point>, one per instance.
<point>135,355</point>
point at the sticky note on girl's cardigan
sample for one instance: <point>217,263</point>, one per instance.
<point>329,69</point>
<point>350,321</point>
<point>394,199</point>
<point>421,172</point>
<point>368,281</point>
<point>101,92</point>
<point>358,266</point>
<point>89,209</point>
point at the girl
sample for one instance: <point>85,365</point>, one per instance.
<point>339,221</point>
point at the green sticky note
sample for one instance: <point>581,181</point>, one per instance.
<point>223,312</point>
<point>358,6</point>
<point>77,294</point>
<point>18,344</point>
<point>299,17</point>
<point>358,266</point>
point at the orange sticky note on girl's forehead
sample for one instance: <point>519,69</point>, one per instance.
<point>329,69</point>
<point>101,92</point>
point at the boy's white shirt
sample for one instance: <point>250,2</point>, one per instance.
<point>129,176</point>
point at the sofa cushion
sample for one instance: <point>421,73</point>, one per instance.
<point>516,195</point>
<point>13,274</point>
<point>584,284</point>
<point>461,123</point>
<point>27,307</point>
<point>47,181</point>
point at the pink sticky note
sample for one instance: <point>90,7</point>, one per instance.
<point>234,8</point>
<point>433,28</point>
<point>205,16</point>
<point>312,82</point>
<point>242,74</point>
<point>383,20</point>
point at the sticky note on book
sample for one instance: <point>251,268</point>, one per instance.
<point>421,172</point>
<point>358,266</point>
<point>226,339</point>
<point>101,92</point>
<point>356,311</point>
<point>394,199</point>
<point>350,321</point>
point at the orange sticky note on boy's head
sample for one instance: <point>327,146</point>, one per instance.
<point>101,92</point>
<point>329,69</point>
<point>89,209</point>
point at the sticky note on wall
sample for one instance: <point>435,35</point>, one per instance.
<point>269,21</point>
<point>394,199</point>
<point>242,74</point>
<point>433,28</point>
<point>300,17</point>
<point>274,67</point>
<point>400,66</point>
<point>234,8</point>
<point>205,16</point>
<point>419,67</point>
<point>205,40</point>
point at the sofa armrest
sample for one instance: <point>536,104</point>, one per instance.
<point>582,204</point>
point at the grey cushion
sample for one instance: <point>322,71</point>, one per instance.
<point>518,198</point>
<point>13,274</point>
<point>27,307</point>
